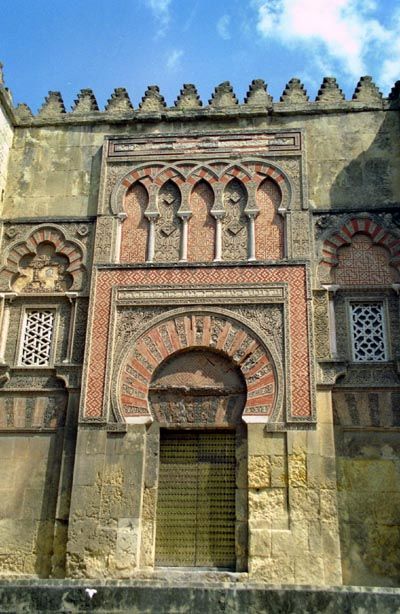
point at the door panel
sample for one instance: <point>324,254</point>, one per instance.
<point>196,500</point>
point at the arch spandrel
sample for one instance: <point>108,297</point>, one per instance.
<point>210,331</point>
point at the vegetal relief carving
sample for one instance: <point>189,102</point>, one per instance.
<point>168,225</point>
<point>234,223</point>
<point>45,271</point>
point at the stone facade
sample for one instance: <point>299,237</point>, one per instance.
<point>225,275</point>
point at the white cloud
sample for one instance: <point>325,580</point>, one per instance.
<point>223,24</point>
<point>345,31</point>
<point>160,10</point>
<point>174,59</point>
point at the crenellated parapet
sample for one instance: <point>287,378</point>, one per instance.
<point>294,100</point>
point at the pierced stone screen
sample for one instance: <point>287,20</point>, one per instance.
<point>368,332</point>
<point>37,337</point>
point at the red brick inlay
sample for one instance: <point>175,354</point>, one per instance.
<point>135,227</point>
<point>201,225</point>
<point>269,224</point>
<point>198,328</point>
<point>61,245</point>
<point>182,328</point>
<point>364,264</point>
<point>364,226</point>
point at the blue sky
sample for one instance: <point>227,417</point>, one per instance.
<point>103,44</point>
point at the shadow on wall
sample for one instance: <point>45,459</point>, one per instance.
<point>372,179</point>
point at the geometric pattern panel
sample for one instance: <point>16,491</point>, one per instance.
<point>363,264</point>
<point>37,337</point>
<point>269,224</point>
<point>358,229</point>
<point>216,332</point>
<point>298,333</point>
<point>368,332</point>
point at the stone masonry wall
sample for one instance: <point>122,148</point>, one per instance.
<point>6,138</point>
<point>368,465</point>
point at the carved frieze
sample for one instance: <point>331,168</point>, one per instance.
<point>234,222</point>
<point>168,224</point>
<point>321,324</point>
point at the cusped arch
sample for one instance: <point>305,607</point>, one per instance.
<point>202,172</point>
<point>379,236</point>
<point>169,173</point>
<point>262,170</point>
<point>211,330</point>
<point>72,251</point>
<point>235,171</point>
<point>143,173</point>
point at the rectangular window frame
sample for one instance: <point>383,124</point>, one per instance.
<point>24,318</point>
<point>370,300</point>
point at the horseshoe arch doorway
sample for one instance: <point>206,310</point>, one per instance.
<point>197,398</point>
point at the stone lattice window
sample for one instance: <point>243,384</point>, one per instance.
<point>37,337</point>
<point>368,332</point>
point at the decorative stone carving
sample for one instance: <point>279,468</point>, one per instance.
<point>294,93</point>
<point>45,262</point>
<point>119,102</point>
<point>299,234</point>
<point>85,102</point>
<point>223,96</point>
<point>188,98</point>
<point>53,106</point>
<point>329,91</point>
<point>103,248</point>
<point>152,100</point>
<point>234,222</point>
<point>205,330</point>
<point>329,372</point>
<point>44,271</point>
<point>269,319</point>
<point>354,226</point>
<point>321,324</point>
<point>18,412</point>
<point>257,95</point>
<point>168,225</point>
<point>367,92</point>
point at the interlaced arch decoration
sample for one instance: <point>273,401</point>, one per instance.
<point>190,172</point>
<point>72,252</point>
<point>360,226</point>
<point>207,330</point>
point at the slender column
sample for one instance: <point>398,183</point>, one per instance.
<point>218,238</point>
<point>218,212</point>
<point>151,237</point>
<point>251,253</point>
<point>72,297</point>
<point>184,238</point>
<point>6,298</point>
<point>331,318</point>
<point>121,219</point>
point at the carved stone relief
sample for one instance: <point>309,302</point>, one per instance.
<point>168,225</point>
<point>45,259</point>
<point>44,271</point>
<point>234,223</point>
<point>321,324</point>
